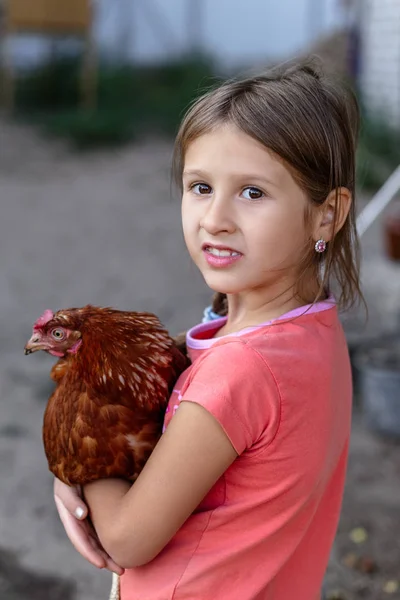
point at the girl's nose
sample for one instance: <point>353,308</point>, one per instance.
<point>218,216</point>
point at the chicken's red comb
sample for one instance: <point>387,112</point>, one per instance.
<point>44,319</point>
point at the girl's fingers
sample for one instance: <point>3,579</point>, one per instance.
<point>70,498</point>
<point>110,564</point>
<point>79,536</point>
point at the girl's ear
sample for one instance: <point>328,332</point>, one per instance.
<point>338,201</point>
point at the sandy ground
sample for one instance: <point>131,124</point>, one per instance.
<point>104,228</point>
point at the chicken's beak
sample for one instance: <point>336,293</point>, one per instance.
<point>33,345</point>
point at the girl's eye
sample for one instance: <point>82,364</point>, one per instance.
<point>201,188</point>
<point>58,334</point>
<point>253,193</point>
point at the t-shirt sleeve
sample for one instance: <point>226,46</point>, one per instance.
<point>233,382</point>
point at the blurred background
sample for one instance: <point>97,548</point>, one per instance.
<point>92,94</point>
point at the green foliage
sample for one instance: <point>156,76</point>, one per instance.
<point>51,87</point>
<point>131,100</point>
<point>91,129</point>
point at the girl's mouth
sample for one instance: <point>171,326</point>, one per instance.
<point>219,256</point>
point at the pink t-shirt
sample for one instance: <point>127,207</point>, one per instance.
<point>282,392</point>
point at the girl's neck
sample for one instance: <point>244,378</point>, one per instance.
<point>248,310</point>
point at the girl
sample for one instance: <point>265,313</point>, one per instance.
<point>240,499</point>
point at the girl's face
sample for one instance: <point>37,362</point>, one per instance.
<point>243,213</point>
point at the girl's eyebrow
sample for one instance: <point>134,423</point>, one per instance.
<point>254,179</point>
<point>242,176</point>
<point>194,172</point>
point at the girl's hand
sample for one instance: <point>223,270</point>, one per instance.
<point>73,513</point>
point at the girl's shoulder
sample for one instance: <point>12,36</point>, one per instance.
<point>230,359</point>
<point>248,381</point>
<point>309,345</point>
<point>307,330</point>
<point>285,336</point>
<point>234,383</point>
<point>297,345</point>
<point>308,348</point>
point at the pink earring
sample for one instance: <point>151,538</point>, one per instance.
<point>320,246</point>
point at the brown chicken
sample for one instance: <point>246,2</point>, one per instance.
<point>114,376</point>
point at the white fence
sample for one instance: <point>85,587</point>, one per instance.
<point>380,61</point>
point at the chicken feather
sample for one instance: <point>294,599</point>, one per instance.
<point>114,376</point>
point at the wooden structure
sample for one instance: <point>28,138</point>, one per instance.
<point>50,18</point>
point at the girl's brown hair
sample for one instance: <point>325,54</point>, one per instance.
<point>311,123</point>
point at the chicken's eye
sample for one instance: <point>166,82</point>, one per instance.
<point>58,334</point>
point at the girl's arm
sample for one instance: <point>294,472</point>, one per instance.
<point>135,523</point>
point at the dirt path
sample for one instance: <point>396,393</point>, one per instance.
<point>103,228</point>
